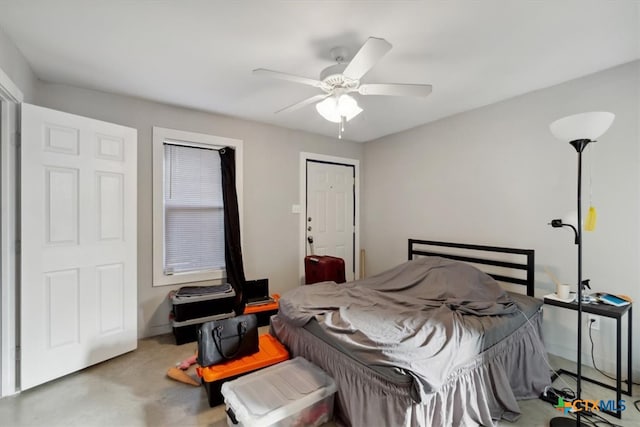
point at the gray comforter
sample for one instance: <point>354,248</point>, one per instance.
<point>426,316</point>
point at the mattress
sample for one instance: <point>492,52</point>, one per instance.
<point>496,328</point>
<point>426,317</point>
<point>430,342</point>
<point>484,390</point>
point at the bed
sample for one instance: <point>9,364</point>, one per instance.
<point>434,341</point>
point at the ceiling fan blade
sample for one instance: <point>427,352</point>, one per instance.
<point>394,89</point>
<point>370,53</point>
<point>304,103</point>
<point>285,76</point>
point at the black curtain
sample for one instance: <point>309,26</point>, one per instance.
<point>232,246</point>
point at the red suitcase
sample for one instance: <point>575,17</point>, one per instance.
<point>322,268</point>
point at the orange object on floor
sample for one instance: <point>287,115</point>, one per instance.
<point>271,352</point>
<point>180,375</point>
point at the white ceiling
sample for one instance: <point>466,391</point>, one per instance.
<point>200,54</point>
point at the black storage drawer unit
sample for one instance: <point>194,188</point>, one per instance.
<point>264,317</point>
<point>192,302</point>
<point>187,331</point>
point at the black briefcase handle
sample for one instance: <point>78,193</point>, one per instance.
<point>217,339</point>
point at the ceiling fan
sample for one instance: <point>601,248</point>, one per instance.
<point>339,80</point>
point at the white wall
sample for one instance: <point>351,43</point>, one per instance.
<point>14,65</point>
<point>271,175</point>
<point>496,176</point>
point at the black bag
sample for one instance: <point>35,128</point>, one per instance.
<point>226,339</point>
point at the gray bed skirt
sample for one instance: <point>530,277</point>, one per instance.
<point>483,391</point>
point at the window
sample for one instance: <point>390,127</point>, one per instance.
<point>193,210</point>
<point>188,225</point>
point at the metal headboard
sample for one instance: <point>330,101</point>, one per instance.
<point>416,247</point>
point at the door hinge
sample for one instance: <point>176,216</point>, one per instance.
<point>18,353</point>
<point>18,246</point>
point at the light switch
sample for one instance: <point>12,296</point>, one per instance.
<point>295,209</point>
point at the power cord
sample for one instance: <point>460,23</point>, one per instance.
<point>593,361</point>
<point>589,418</point>
<point>551,394</point>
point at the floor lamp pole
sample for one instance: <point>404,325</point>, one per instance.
<point>579,130</point>
<point>579,145</point>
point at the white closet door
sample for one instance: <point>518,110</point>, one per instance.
<point>78,229</point>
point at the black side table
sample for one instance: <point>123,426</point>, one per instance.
<point>616,313</point>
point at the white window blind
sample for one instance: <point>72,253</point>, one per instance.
<point>193,210</point>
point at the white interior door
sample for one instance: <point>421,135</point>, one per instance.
<point>78,294</point>
<point>331,212</point>
<point>9,128</point>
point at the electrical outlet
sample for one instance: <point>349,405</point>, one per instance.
<point>593,322</point>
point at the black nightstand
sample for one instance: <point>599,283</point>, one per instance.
<point>616,313</point>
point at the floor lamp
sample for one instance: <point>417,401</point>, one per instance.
<point>579,130</point>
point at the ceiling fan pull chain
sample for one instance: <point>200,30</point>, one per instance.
<point>341,126</point>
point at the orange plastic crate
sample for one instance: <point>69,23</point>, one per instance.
<point>264,307</point>
<point>271,351</point>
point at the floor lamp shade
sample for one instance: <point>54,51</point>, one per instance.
<point>588,126</point>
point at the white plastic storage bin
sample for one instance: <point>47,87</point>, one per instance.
<point>292,393</point>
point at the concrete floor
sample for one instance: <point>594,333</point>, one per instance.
<point>132,390</point>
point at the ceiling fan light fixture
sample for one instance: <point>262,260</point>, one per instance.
<point>335,108</point>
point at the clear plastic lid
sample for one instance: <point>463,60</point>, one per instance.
<point>278,391</point>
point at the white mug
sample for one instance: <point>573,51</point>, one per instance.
<point>563,291</point>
